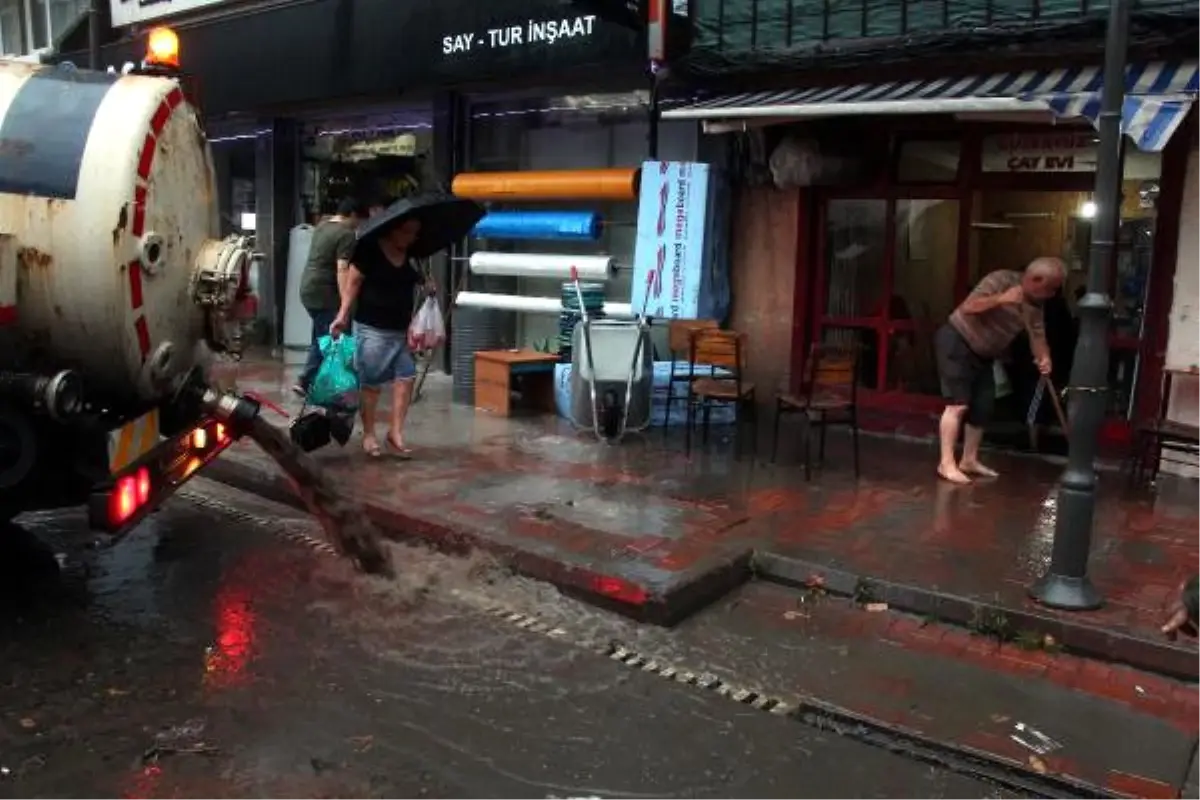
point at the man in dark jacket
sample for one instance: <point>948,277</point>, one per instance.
<point>324,273</point>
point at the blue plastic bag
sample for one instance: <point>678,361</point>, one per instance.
<point>335,386</point>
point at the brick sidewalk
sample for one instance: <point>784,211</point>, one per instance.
<point>657,534</point>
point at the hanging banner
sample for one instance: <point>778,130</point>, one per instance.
<point>669,257</point>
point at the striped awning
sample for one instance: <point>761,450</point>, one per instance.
<point>1158,97</point>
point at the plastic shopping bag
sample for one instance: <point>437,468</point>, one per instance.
<point>428,329</point>
<point>335,386</point>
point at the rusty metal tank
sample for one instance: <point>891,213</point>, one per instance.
<point>108,193</point>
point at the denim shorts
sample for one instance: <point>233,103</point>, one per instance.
<point>382,356</point>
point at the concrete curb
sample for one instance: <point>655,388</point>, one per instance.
<point>701,586</point>
<point>1079,638</point>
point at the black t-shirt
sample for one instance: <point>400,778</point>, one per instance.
<point>385,299</point>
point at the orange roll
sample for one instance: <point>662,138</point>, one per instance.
<point>566,184</point>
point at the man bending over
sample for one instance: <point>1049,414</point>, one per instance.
<point>1004,303</point>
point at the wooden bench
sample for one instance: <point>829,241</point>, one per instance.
<point>500,373</point>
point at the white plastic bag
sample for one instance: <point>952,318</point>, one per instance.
<point>428,329</point>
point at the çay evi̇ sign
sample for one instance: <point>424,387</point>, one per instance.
<point>546,31</point>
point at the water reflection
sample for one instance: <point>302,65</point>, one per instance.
<point>226,661</point>
<point>1033,558</point>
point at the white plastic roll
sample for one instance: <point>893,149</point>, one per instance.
<point>536,265</point>
<point>531,305</point>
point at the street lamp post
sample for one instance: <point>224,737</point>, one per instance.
<point>1066,584</point>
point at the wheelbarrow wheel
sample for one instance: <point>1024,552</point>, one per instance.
<point>610,415</point>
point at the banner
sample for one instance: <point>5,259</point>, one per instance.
<point>669,257</point>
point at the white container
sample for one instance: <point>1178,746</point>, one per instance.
<point>297,325</point>
<point>531,305</point>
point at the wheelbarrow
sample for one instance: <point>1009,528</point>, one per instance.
<point>612,374</point>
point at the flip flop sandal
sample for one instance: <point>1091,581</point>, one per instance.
<point>373,452</point>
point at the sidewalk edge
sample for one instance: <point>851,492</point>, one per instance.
<point>1081,639</point>
<point>704,584</point>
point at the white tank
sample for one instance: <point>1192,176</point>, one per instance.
<point>107,187</point>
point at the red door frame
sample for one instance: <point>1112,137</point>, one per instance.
<point>808,312</point>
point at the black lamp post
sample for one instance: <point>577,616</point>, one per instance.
<point>1065,584</point>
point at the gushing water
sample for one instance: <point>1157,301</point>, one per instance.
<point>344,522</point>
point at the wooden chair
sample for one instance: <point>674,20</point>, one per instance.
<point>828,396</point>
<point>725,351</point>
<point>679,343</point>
<point>1162,439</point>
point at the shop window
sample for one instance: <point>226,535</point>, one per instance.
<point>926,260</point>
<point>12,33</point>
<point>868,343</point>
<point>39,24</point>
<point>64,14</point>
<point>855,246</point>
<point>928,161</point>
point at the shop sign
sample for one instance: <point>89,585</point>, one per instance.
<point>669,257</point>
<point>1056,151</point>
<point>521,34</point>
<point>131,12</point>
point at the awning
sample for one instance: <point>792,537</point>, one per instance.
<point>1158,98</point>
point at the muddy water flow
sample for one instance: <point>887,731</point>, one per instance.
<point>344,522</point>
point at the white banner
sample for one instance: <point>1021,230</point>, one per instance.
<point>131,12</point>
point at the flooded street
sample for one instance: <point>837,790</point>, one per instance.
<point>221,650</point>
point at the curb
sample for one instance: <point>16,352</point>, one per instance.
<point>815,713</point>
<point>704,585</point>
<point>1081,639</point>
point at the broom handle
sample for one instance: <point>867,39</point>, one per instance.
<point>1058,409</point>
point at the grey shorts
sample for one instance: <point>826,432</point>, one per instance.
<point>967,378</point>
<point>382,356</point>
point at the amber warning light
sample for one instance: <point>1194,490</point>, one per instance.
<point>162,48</point>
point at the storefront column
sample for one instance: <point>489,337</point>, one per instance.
<point>276,212</point>
<point>448,155</point>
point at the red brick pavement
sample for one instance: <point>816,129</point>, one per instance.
<point>645,513</point>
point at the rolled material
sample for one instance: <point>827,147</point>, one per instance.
<point>564,225</point>
<point>574,184</point>
<point>534,265</point>
<point>531,305</point>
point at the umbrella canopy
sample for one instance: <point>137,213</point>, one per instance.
<point>444,220</point>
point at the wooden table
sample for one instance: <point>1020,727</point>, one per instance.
<point>498,372</point>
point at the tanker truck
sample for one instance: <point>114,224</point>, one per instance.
<point>116,294</point>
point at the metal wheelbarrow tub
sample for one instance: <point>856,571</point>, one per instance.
<point>612,377</point>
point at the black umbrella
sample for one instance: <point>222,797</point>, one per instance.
<point>444,220</point>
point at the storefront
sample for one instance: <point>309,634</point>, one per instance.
<point>312,101</point>
<point>932,184</point>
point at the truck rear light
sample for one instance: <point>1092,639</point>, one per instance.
<point>139,489</point>
<point>130,494</point>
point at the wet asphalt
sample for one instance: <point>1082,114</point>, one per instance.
<point>215,653</point>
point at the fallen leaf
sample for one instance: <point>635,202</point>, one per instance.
<point>27,723</point>
<point>1037,765</point>
<point>999,718</point>
<point>115,692</point>
<point>876,606</point>
<point>794,615</point>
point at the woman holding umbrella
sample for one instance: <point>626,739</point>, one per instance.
<point>380,293</point>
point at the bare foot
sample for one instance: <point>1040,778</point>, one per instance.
<point>371,446</point>
<point>397,446</point>
<point>953,474</point>
<point>975,468</point>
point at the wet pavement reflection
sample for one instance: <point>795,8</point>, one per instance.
<point>212,654</point>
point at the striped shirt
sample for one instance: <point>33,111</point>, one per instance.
<point>989,334</point>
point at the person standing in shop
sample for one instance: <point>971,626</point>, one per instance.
<point>1003,304</point>
<point>322,283</point>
